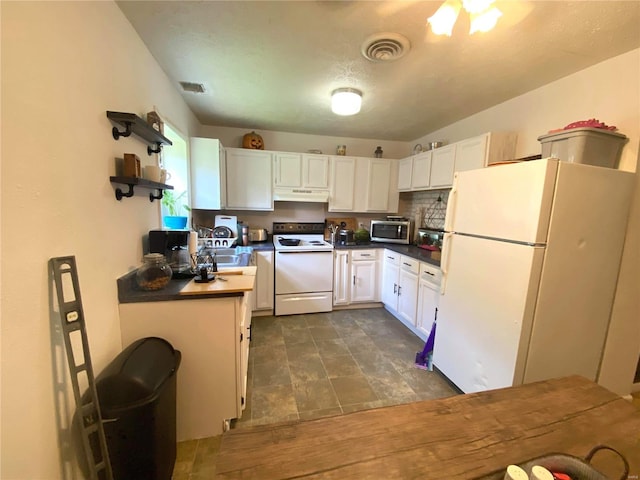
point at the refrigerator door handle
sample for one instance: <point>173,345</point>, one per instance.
<point>448,217</point>
<point>444,263</point>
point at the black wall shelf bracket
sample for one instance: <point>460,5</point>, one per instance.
<point>153,197</point>
<point>158,149</point>
<point>132,123</point>
<point>120,194</point>
<point>117,134</point>
<point>131,182</point>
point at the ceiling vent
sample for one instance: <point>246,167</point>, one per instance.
<point>191,87</point>
<point>385,47</point>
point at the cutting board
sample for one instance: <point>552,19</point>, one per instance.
<point>346,223</point>
<point>234,283</point>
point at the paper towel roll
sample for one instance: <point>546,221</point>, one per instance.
<point>193,243</point>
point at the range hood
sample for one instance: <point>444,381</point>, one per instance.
<point>281,194</point>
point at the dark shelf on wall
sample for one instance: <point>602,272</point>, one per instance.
<point>132,123</point>
<point>139,182</point>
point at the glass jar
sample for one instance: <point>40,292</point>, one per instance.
<point>155,273</point>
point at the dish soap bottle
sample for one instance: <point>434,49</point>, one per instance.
<point>362,235</point>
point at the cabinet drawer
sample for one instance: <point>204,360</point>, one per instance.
<point>392,258</point>
<point>409,264</point>
<point>430,273</point>
<point>363,255</point>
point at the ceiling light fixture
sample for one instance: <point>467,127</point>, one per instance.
<point>346,101</point>
<point>484,16</point>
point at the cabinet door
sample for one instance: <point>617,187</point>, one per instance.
<point>263,291</point>
<point>249,180</point>
<point>442,166</point>
<point>343,177</point>
<point>287,170</point>
<point>408,289</point>
<point>378,185</point>
<point>471,153</point>
<point>390,271</point>
<point>341,277</point>
<point>363,286</point>
<point>428,295</point>
<point>421,171</point>
<point>315,171</point>
<point>405,169</point>
<point>208,179</point>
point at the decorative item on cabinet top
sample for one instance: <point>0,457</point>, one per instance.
<point>252,141</point>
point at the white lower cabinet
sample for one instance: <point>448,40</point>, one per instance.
<point>355,276</point>
<point>263,290</point>
<point>428,296</point>
<point>400,286</point>
<point>213,336</point>
<point>410,291</point>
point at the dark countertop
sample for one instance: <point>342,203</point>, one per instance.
<point>408,250</point>
<point>129,292</point>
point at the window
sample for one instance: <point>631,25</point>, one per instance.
<point>174,160</point>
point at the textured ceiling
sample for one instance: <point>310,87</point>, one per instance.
<point>271,65</point>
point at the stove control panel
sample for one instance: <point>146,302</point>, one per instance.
<point>304,228</point>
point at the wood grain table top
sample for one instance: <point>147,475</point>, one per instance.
<point>461,437</point>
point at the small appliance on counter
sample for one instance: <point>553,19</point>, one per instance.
<point>257,235</point>
<point>174,245</point>
<point>430,239</point>
<point>394,229</point>
<point>346,237</point>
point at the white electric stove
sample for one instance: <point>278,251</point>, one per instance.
<point>303,268</point>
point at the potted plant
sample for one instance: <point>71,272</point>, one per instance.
<point>172,204</point>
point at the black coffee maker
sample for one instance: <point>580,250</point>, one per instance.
<point>174,245</point>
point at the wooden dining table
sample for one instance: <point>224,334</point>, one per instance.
<point>471,436</point>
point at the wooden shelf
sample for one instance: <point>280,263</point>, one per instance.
<point>132,123</point>
<point>140,182</point>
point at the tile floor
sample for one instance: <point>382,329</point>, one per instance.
<point>309,366</point>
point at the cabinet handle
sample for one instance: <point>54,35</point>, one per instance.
<point>407,264</point>
<point>365,255</point>
<point>399,290</point>
<point>354,279</point>
<point>395,288</point>
<point>429,273</point>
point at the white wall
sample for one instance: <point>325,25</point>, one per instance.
<point>64,64</point>
<point>609,91</point>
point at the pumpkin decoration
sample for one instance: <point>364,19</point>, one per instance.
<point>253,141</point>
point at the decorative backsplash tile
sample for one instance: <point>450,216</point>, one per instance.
<point>426,209</point>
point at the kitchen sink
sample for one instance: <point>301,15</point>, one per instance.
<point>230,257</point>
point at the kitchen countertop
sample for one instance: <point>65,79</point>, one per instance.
<point>176,289</point>
<point>408,250</point>
<point>473,436</point>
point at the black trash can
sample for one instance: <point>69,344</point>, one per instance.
<point>137,396</point>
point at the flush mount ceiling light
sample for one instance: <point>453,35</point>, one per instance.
<point>346,101</point>
<point>484,16</point>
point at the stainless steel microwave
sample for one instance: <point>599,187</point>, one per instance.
<point>392,231</point>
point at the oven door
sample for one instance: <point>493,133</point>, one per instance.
<point>306,271</point>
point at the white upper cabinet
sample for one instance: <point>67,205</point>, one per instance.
<point>315,171</point>
<point>434,169</point>
<point>343,179</point>
<point>422,165</point>
<point>442,166</point>
<point>208,178</point>
<point>405,173</point>
<point>287,169</point>
<point>375,185</point>
<point>249,179</point>
<point>301,170</point>
<point>484,150</point>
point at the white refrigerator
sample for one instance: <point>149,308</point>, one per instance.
<point>529,269</point>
